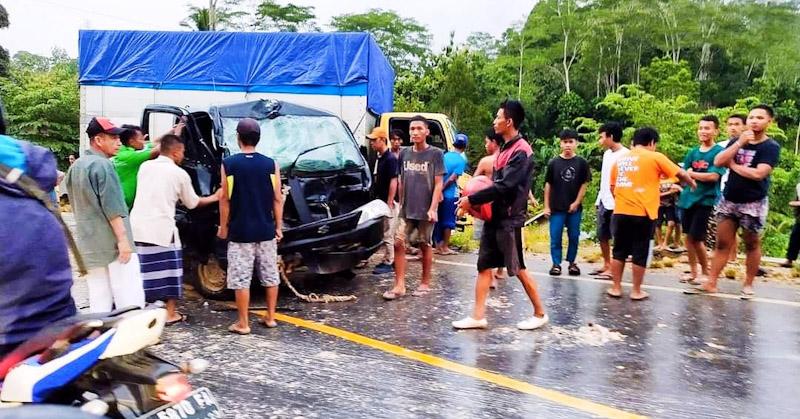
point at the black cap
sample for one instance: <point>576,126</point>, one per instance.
<point>102,125</point>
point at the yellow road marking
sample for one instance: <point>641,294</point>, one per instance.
<point>477,373</point>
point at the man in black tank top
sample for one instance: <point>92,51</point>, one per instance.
<point>251,219</point>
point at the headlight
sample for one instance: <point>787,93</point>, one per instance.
<point>372,210</point>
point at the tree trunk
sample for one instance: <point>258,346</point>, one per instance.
<point>212,14</point>
<point>564,61</point>
<point>521,50</point>
<point>639,64</point>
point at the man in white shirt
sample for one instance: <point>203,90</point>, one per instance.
<point>610,138</point>
<point>161,183</point>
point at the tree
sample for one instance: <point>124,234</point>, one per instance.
<point>4,62</point>
<point>43,103</point>
<point>666,79</point>
<point>404,40</point>
<point>213,17</point>
<point>26,61</point>
<point>557,27</point>
<point>482,42</point>
<point>290,18</point>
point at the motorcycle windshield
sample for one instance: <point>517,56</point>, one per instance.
<point>288,136</point>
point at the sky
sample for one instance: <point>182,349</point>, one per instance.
<point>38,26</point>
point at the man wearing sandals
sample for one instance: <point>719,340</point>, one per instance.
<point>611,141</point>
<point>501,238</point>
<point>421,172</point>
<point>565,186</point>
<point>745,201</point>
<point>251,218</point>
<point>636,183</point>
<point>161,183</point>
<point>698,204</point>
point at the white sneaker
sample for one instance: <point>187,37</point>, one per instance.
<point>533,323</point>
<point>470,323</point>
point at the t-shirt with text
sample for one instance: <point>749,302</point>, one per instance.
<point>566,176</point>
<point>706,193</point>
<point>418,172</point>
<point>741,190</point>
<point>636,180</point>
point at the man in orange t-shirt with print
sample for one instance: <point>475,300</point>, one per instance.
<point>635,183</point>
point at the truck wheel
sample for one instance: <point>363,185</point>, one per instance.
<point>209,280</point>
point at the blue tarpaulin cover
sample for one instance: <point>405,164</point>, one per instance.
<point>346,64</point>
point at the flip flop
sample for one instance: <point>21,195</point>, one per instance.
<point>596,272</point>
<point>268,325</point>
<point>420,293</point>
<point>232,328</point>
<point>176,321</point>
<point>449,252</point>
<point>746,295</point>
<point>608,291</point>
<point>643,297</point>
<point>697,291</point>
<point>604,276</point>
<point>687,277</point>
<point>391,295</point>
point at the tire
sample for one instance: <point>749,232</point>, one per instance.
<point>208,278</point>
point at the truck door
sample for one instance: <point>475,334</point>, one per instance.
<point>202,158</point>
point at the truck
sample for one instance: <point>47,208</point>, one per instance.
<point>312,94</point>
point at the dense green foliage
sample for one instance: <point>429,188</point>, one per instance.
<point>42,102</point>
<point>641,62</point>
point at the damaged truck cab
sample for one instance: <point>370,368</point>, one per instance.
<point>330,221</point>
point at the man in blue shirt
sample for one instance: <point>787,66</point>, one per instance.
<point>454,166</point>
<point>35,273</point>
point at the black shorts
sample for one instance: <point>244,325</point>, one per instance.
<point>632,235</point>
<point>666,215</point>
<point>695,221</point>
<point>605,223</point>
<point>501,247</point>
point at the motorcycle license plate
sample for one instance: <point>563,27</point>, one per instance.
<point>199,404</point>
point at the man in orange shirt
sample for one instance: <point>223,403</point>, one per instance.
<point>635,183</point>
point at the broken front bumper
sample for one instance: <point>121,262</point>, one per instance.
<point>339,243</point>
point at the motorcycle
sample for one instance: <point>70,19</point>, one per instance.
<point>99,363</point>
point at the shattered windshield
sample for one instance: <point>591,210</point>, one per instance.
<point>286,137</point>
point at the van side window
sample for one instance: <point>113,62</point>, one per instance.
<point>436,138</point>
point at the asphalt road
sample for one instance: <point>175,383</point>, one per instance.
<point>670,356</point>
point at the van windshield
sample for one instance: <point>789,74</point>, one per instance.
<point>284,139</point>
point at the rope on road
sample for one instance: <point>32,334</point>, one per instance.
<point>312,297</point>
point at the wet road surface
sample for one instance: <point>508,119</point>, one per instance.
<point>671,356</point>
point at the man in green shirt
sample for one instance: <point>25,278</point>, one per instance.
<point>698,204</point>
<point>102,227</point>
<point>135,150</point>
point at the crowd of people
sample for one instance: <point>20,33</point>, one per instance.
<point>124,191</point>
<point>718,189</point>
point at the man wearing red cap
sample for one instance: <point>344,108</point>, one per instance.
<point>103,228</point>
